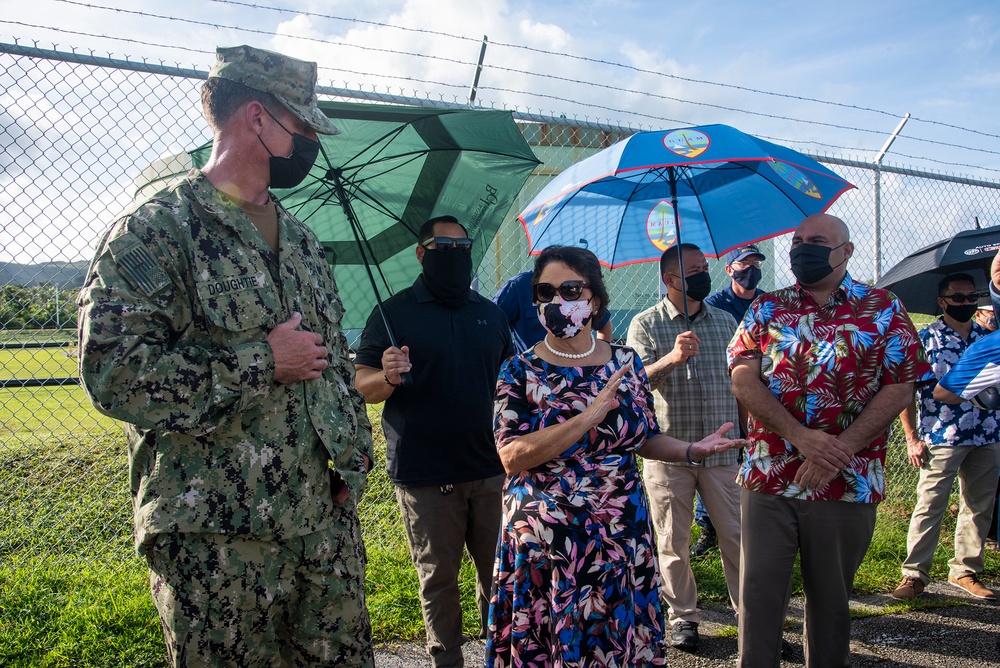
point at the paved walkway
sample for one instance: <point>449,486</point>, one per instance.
<point>950,628</point>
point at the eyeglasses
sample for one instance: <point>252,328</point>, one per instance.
<point>958,297</point>
<point>743,264</point>
<point>570,291</point>
<point>447,244</point>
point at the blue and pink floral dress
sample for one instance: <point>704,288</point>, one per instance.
<point>577,582</point>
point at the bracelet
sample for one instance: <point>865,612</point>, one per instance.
<point>389,382</point>
<point>687,455</point>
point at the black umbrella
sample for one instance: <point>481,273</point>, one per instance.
<point>915,278</point>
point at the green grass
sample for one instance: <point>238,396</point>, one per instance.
<point>73,594</point>
<point>57,613</point>
<point>71,591</point>
<point>38,362</point>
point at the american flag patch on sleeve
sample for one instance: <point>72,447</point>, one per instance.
<point>137,265</point>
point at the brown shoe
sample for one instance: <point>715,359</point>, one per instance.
<point>971,584</point>
<point>909,588</point>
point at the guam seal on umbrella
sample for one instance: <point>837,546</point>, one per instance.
<point>713,185</point>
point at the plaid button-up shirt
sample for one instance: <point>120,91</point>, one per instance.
<point>690,408</point>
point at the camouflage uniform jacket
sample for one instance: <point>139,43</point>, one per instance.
<point>174,314</point>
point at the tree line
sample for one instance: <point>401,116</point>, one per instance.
<point>43,306</point>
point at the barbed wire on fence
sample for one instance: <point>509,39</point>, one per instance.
<point>547,76</point>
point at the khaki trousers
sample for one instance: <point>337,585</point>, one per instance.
<point>438,528</point>
<point>671,492</point>
<point>976,469</point>
<point>831,538</point>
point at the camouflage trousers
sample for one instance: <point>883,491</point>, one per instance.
<point>227,600</point>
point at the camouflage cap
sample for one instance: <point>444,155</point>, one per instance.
<point>291,80</point>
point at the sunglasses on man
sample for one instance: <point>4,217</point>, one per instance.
<point>959,297</point>
<point>447,244</point>
<point>570,291</point>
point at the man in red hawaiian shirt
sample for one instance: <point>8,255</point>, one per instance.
<point>823,368</point>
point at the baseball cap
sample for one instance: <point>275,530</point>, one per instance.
<point>742,252</point>
<point>985,303</point>
<point>291,80</point>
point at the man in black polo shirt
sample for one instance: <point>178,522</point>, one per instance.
<point>440,451</point>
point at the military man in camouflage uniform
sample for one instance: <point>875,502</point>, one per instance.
<point>210,324</point>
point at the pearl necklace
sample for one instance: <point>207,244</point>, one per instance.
<point>572,356</point>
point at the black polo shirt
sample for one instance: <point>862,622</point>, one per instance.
<point>439,430</point>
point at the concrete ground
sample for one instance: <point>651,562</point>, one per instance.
<point>950,628</point>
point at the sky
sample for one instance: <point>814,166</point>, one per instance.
<point>824,78</point>
<point>940,62</point>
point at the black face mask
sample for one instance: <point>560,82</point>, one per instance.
<point>961,312</point>
<point>747,278</point>
<point>291,171</point>
<point>811,262</point>
<point>448,274</point>
<point>699,286</point>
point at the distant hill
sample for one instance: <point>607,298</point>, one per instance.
<point>64,274</point>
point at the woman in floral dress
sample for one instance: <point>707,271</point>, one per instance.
<point>577,582</point>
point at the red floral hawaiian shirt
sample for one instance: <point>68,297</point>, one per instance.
<point>824,364</point>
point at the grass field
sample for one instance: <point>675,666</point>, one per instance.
<point>72,593</point>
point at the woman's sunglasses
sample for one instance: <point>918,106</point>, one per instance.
<point>570,291</point>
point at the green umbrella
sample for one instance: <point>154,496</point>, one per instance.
<point>389,171</point>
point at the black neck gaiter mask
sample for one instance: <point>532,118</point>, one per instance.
<point>448,274</point>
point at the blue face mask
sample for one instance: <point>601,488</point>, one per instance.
<point>747,278</point>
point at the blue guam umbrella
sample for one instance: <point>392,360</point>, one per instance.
<point>715,185</point>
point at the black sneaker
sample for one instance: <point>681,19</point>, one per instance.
<point>684,636</point>
<point>705,543</point>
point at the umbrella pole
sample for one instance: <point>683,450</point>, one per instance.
<point>345,203</point>
<point>691,364</point>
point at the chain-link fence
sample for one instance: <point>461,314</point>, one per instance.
<point>78,134</point>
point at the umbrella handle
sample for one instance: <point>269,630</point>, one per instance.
<point>405,378</point>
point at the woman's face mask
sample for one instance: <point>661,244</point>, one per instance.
<point>564,320</point>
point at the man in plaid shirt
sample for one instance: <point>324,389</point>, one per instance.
<point>684,352</point>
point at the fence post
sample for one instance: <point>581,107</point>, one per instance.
<point>878,196</point>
